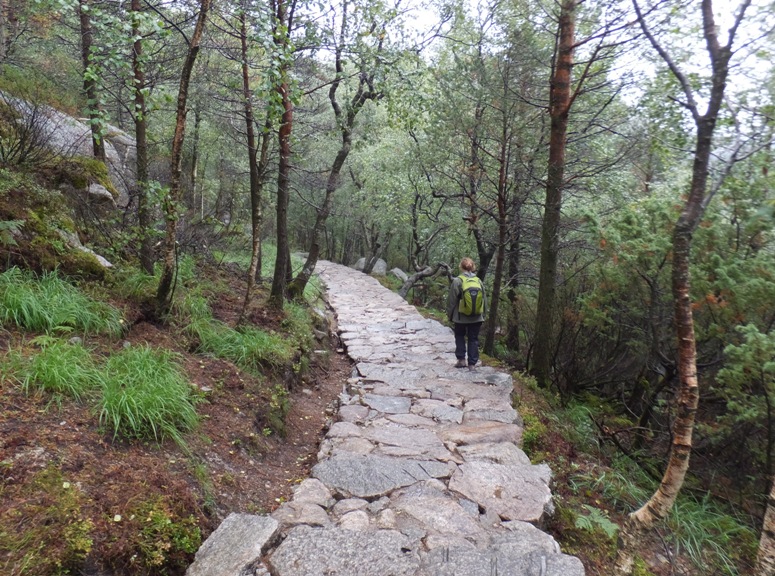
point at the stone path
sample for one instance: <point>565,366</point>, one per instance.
<point>420,475</point>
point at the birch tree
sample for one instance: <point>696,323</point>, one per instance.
<point>697,199</point>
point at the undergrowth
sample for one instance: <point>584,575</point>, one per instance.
<point>146,396</point>
<point>61,369</point>
<point>601,486</point>
<point>45,531</point>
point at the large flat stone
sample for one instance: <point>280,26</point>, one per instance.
<point>438,512</point>
<point>333,551</point>
<point>438,410</point>
<point>235,547</point>
<point>368,476</point>
<point>388,404</point>
<point>420,442</point>
<point>512,492</point>
<point>480,432</point>
<point>497,452</point>
<point>464,561</point>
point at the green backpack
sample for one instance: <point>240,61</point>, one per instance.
<point>472,297</point>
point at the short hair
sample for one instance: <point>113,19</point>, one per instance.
<point>467,264</point>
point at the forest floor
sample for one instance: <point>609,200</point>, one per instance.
<point>230,464</point>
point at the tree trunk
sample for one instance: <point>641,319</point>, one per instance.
<point>345,120</point>
<point>3,31</point>
<point>500,258</point>
<point>559,108</point>
<point>193,175</point>
<point>165,291</point>
<point>280,278</point>
<point>257,167</point>
<point>427,272</point>
<point>89,82</point>
<point>144,219</point>
<point>765,558</point>
<point>512,339</point>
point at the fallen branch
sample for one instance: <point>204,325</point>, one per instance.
<point>427,272</point>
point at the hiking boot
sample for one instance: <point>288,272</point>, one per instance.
<point>461,363</point>
<point>471,368</point>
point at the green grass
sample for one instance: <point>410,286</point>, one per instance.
<point>711,536</point>
<point>299,324</point>
<point>146,396</point>
<point>249,348</point>
<point>131,282</point>
<point>193,306</point>
<point>60,369</point>
<point>50,304</point>
<point>135,283</point>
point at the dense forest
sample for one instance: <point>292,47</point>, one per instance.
<point>605,164</point>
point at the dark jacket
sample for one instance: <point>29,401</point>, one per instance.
<point>453,298</point>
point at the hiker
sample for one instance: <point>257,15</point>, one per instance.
<point>466,306</point>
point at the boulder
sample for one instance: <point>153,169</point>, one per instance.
<point>380,268</point>
<point>400,274</point>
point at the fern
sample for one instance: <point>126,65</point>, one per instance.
<point>8,229</point>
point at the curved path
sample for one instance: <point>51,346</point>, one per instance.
<point>420,475</point>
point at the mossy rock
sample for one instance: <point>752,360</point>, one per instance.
<point>82,171</point>
<point>39,245</point>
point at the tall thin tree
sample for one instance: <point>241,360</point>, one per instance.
<point>141,142</point>
<point>166,287</point>
<point>283,21</point>
<point>345,120</point>
<point>257,164</point>
<point>693,209</point>
<point>90,86</point>
<point>560,100</point>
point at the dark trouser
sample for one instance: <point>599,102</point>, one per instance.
<point>470,332</point>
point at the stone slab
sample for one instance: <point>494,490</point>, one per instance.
<point>512,492</point>
<point>369,476</point>
<point>235,547</point>
<point>334,551</point>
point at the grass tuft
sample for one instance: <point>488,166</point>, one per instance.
<point>250,348</point>
<point>146,396</point>
<point>710,536</point>
<point>50,304</point>
<point>60,368</point>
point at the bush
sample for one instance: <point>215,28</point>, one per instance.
<point>146,396</point>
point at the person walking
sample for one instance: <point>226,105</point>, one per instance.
<point>466,307</point>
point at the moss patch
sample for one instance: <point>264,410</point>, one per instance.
<point>81,172</point>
